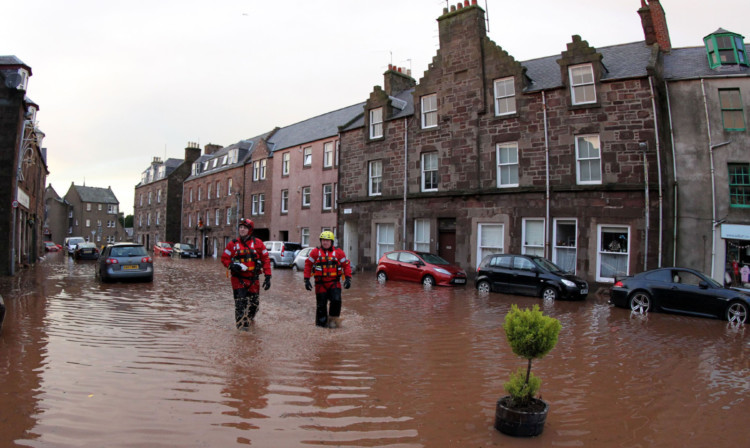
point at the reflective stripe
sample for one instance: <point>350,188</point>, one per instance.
<point>226,251</point>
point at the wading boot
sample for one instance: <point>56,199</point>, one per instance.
<point>334,322</point>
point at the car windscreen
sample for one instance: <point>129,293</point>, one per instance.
<point>292,246</point>
<point>548,265</point>
<point>433,259</point>
<point>128,251</point>
<point>187,247</point>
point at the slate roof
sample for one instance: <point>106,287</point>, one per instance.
<point>96,194</point>
<point>11,60</point>
<point>312,129</point>
<point>245,147</point>
<point>692,63</point>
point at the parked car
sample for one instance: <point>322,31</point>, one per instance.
<point>163,248</point>
<point>299,260</point>
<point>282,253</point>
<point>185,250</point>
<point>86,251</point>
<point>680,290</point>
<point>422,267</point>
<point>50,246</point>
<point>528,275</point>
<point>125,261</point>
<point>70,243</point>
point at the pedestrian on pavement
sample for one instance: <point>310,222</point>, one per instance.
<point>327,263</point>
<point>246,257</point>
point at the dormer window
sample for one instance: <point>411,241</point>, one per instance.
<point>23,85</point>
<point>376,123</point>
<point>582,88</point>
<point>725,48</point>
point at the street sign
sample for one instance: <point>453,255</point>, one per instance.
<point>15,204</point>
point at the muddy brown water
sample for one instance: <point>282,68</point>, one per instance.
<point>85,364</point>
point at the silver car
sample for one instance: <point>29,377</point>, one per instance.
<point>282,253</point>
<point>125,261</point>
<point>299,260</point>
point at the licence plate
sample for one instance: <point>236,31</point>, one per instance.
<point>130,266</point>
<point>460,280</point>
<point>584,291</point>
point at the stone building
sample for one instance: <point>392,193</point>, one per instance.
<point>558,156</point>
<point>215,195</point>
<point>23,169</point>
<point>93,214</point>
<point>56,221</point>
<point>157,207</point>
<point>711,152</point>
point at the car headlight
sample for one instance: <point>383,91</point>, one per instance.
<point>442,271</point>
<point>568,283</point>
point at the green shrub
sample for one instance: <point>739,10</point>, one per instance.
<point>531,335</point>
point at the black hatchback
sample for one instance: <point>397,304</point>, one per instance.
<point>528,275</point>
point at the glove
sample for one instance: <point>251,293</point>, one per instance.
<point>236,267</point>
<point>308,285</point>
<point>347,283</point>
<point>267,283</point>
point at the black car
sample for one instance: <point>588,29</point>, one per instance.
<point>185,250</point>
<point>680,290</point>
<point>86,251</point>
<point>528,275</point>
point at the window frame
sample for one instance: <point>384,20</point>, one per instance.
<point>483,249</point>
<point>328,155</point>
<point>306,196</point>
<point>536,247</point>
<point>284,201</point>
<point>600,252</point>
<point>424,172</point>
<point>582,85</point>
<point>421,235</point>
<point>374,180</point>
<point>327,197</point>
<point>505,98</point>
<point>376,123</point>
<point>307,157</point>
<point>500,165</point>
<point>736,189</point>
<point>431,111</point>
<point>731,108</point>
<point>285,162</point>
<point>579,160</point>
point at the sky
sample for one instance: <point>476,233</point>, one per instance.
<point>121,82</point>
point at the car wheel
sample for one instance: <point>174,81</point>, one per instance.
<point>295,268</point>
<point>736,313</point>
<point>483,286</point>
<point>382,277</point>
<point>640,302</point>
<point>550,293</point>
<point>428,281</point>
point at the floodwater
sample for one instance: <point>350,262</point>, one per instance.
<point>84,364</point>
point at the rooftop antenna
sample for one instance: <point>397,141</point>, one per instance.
<point>487,16</point>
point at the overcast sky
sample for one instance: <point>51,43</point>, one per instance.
<point>119,82</point>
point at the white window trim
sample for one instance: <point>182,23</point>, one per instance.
<point>328,195</point>
<point>328,155</point>
<point>285,161</point>
<point>428,111</point>
<point>513,145</point>
<point>555,240</point>
<point>524,246</point>
<point>573,85</point>
<point>306,198</point>
<point>578,161</point>
<point>370,178</point>
<point>376,123</point>
<point>499,97</point>
<point>284,201</point>
<point>305,151</point>
<point>599,252</point>
<point>426,234</point>
<point>422,169</point>
<point>479,239</point>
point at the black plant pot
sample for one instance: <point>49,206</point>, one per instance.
<point>520,423</point>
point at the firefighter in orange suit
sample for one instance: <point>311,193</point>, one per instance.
<point>327,263</point>
<point>246,257</point>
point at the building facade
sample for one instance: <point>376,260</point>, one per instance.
<point>23,169</point>
<point>158,199</point>
<point>711,153</point>
<point>93,214</point>
<point>56,220</point>
<point>485,154</point>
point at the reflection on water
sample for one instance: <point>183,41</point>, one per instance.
<point>160,364</point>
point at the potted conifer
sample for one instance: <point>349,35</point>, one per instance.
<point>531,335</point>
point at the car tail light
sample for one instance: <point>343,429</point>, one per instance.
<point>111,261</point>
<point>619,284</point>
<point>282,250</point>
<point>146,260</point>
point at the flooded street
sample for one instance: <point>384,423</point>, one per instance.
<point>85,364</point>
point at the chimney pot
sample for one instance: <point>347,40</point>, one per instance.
<point>460,6</point>
<point>474,2</point>
<point>466,3</point>
<point>453,8</point>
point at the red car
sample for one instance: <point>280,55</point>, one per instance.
<point>49,246</point>
<point>163,248</point>
<point>421,267</point>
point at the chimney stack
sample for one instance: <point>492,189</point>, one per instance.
<point>654,22</point>
<point>397,79</point>
<point>192,152</point>
<point>211,148</point>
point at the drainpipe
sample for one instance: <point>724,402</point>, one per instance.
<point>711,148</point>
<point>674,172</point>
<point>546,167</point>
<point>406,143</point>
<point>658,171</point>
<point>647,204</point>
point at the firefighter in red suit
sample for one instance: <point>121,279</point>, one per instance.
<point>327,264</point>
<point>246,257</point>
